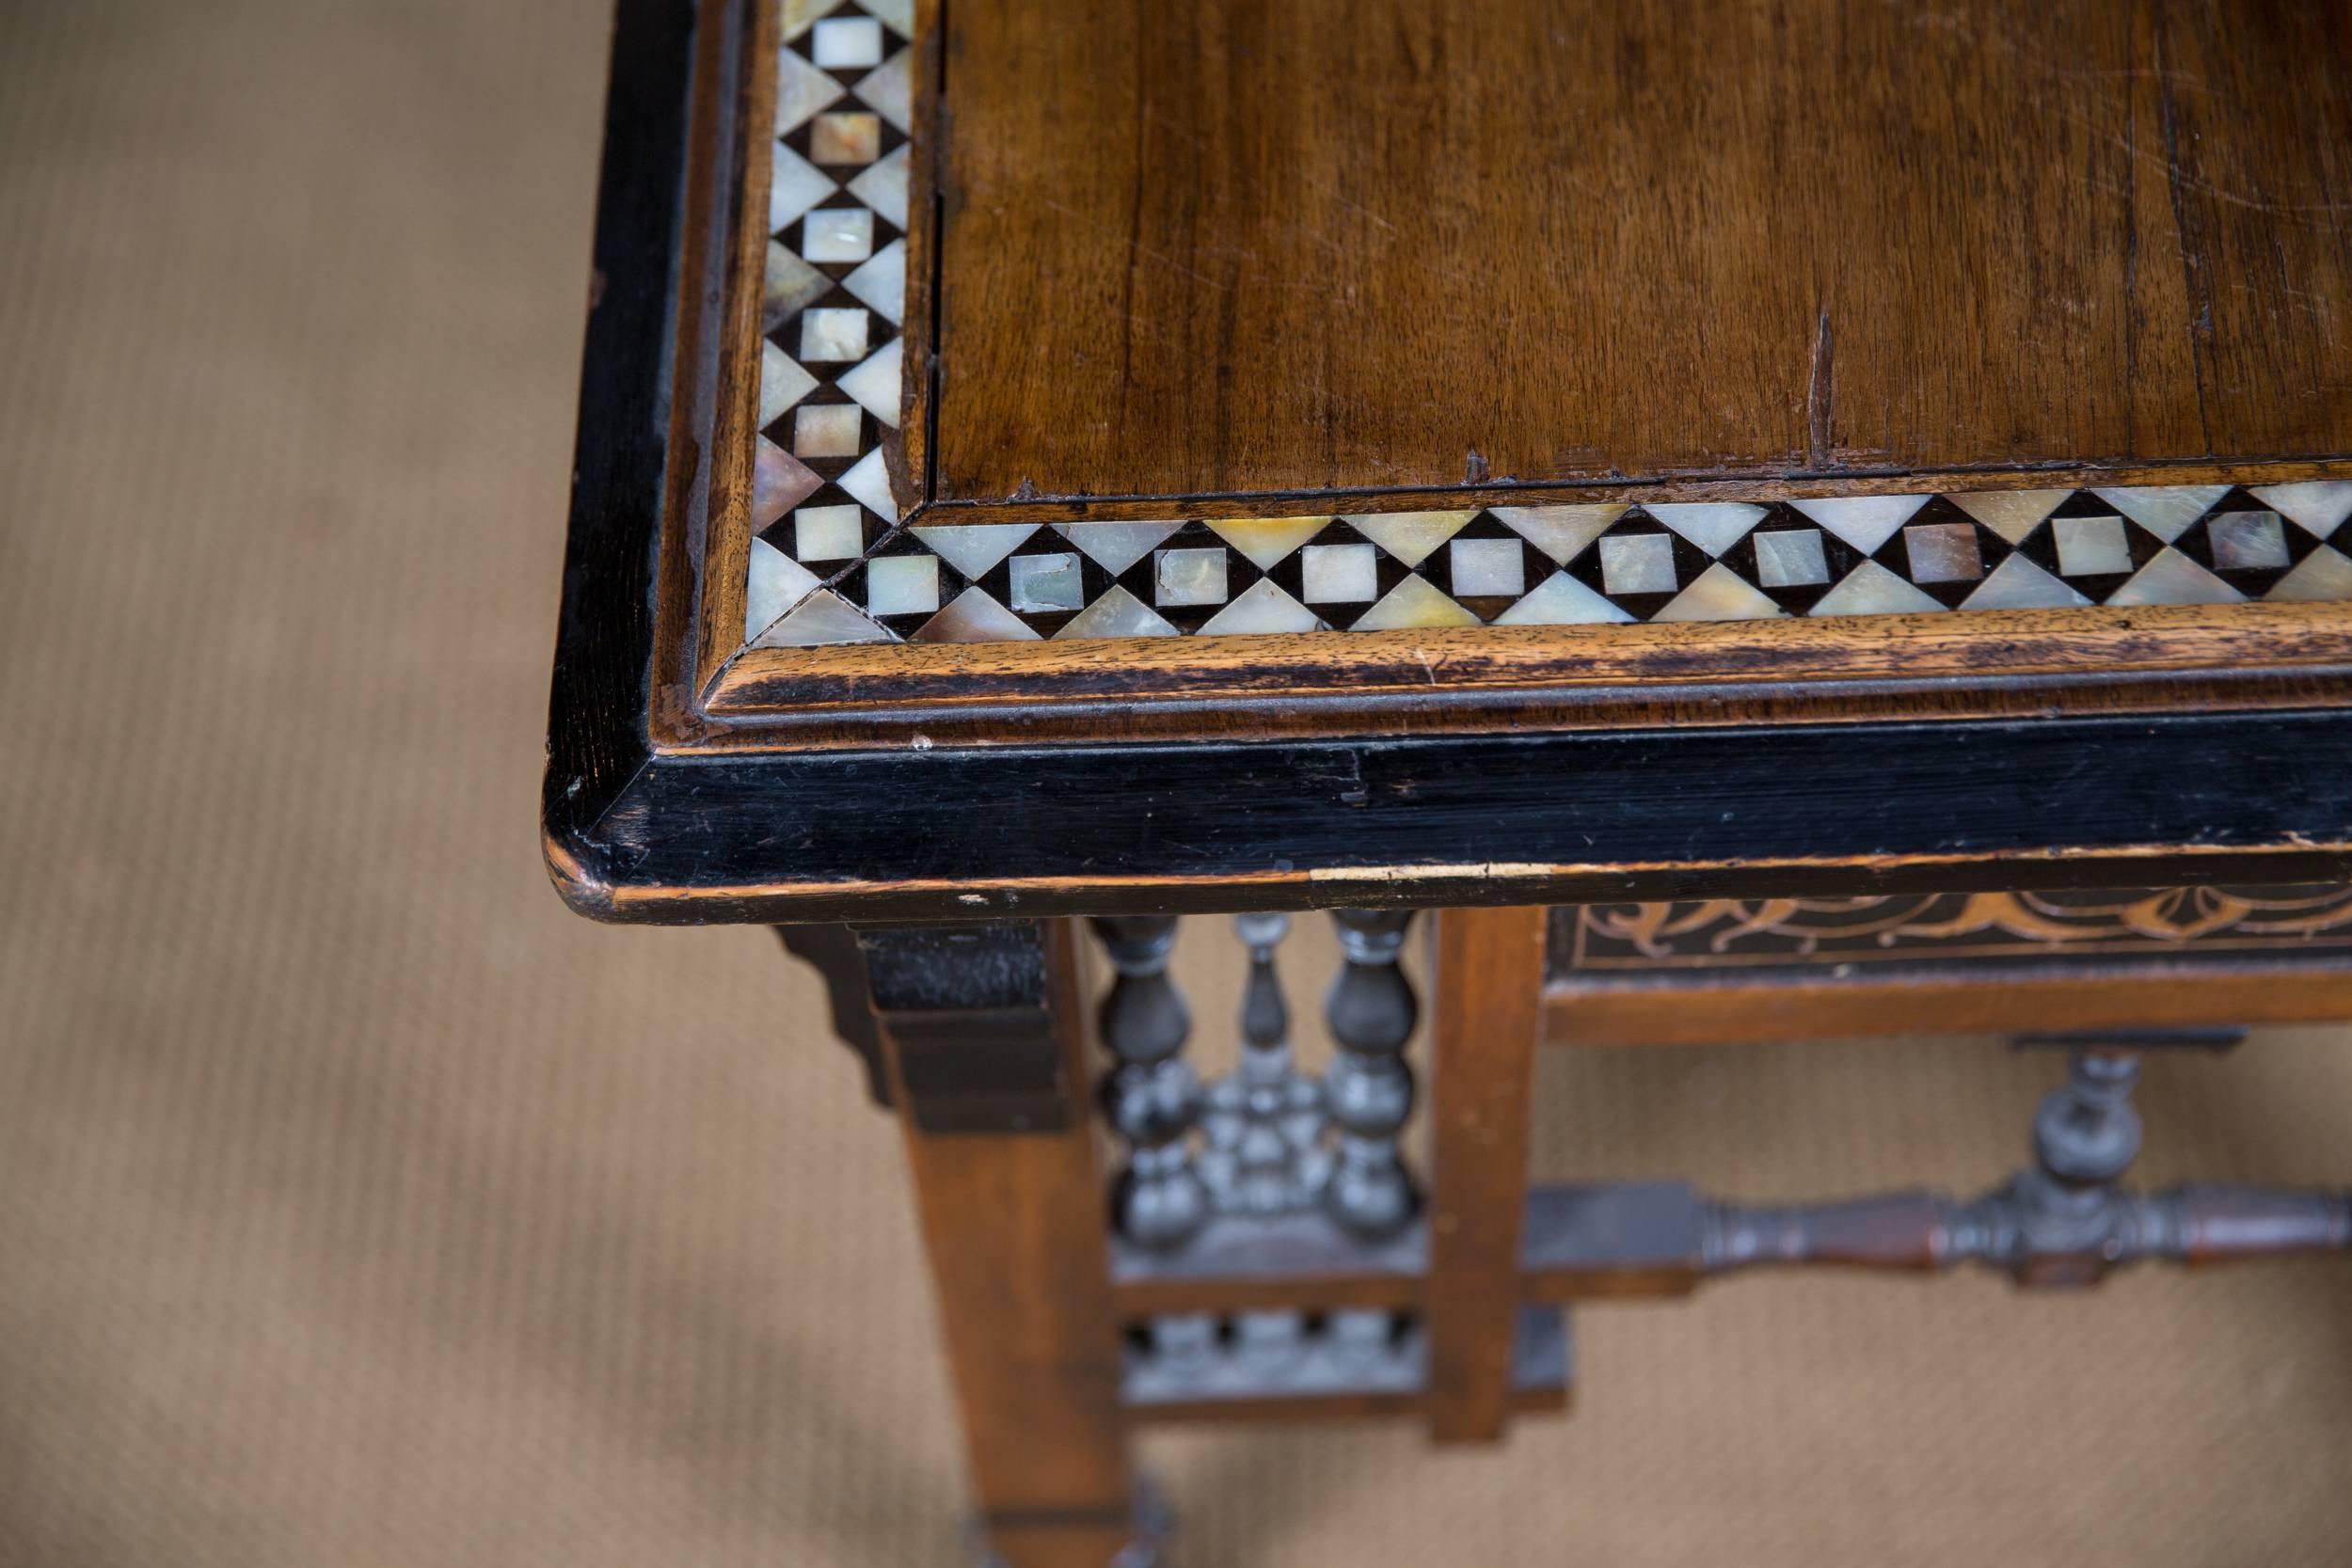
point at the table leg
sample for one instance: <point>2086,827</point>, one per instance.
<point>985,1048</point>
<point>1489,976</point>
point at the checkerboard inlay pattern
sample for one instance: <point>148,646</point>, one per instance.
<point>987,582</point>
<point>831,309</point>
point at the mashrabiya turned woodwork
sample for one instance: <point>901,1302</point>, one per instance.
<point>1329,1208</point>
<point>1264,1125</point>
<point>1276,1146</point>
<point>1285,1195</point>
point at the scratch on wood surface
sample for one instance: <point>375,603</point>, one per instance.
<point>1429,873</point>
<point>2193,270</point>
<point>1820,390</point>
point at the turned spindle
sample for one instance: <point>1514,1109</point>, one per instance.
<point>1265,1122</point>
<point>1368,1092</point>
<point>2063,1220</point>
<point>1150,1096</point>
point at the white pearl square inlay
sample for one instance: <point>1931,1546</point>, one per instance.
<point>2091,547</point>
<point>828,532</point>
<point>1047,582</point>
<point>833,334</point>
<point>1339,574</point>
<point>847,42</point>
<point>1944,552</point>
<point>1487,568</point>
<point>838,235</point>
<point>1637,563</point>
<point>1190,577</point>
<point>1791,557</point>
<point>2247,541</point>
<point>902,585</point>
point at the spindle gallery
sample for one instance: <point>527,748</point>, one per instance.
<point>1045,472</point>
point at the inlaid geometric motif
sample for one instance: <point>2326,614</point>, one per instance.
<point>831,309</point>
<point>1570,564</point>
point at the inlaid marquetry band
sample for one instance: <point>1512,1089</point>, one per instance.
<point>1845,933</point>
<point>831,561</point>
<point>832,306</point>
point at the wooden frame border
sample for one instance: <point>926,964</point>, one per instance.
<point>727,536</point>
<point>1501,679</point>
<point>1336,682</point>
<point>1491,768</point>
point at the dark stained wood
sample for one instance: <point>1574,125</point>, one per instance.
<point>1488,976</point>
<point>600,706</point>
<point>1013,1225</point>
<point>1516,819</point>
<point>1373,243</point>
<point>974,1045</point>
<point>833,952</point>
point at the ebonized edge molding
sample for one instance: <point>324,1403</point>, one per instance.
<point>1433,820</point>
<point>598,706</point>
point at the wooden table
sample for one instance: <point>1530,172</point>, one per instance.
<point>1048,460</point>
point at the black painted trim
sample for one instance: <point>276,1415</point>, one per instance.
<point>597,724</point>
<point>1695,802</point>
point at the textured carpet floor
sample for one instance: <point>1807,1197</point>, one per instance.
<point>359,1206</point>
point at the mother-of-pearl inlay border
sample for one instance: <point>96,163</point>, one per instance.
<point>830,564</point>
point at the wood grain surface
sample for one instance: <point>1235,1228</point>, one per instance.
<point>1013,1226</point>
<point>1482,1037</point>
<point>1344,244</point>
<point>2174,657</point>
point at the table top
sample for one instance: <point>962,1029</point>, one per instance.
<point>1213,251</point>
<point>1242,453</point>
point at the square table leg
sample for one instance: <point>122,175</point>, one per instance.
<point>1488,981</point>
<point>981,1031</point>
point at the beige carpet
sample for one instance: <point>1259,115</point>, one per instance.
<point>359,1206</point>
